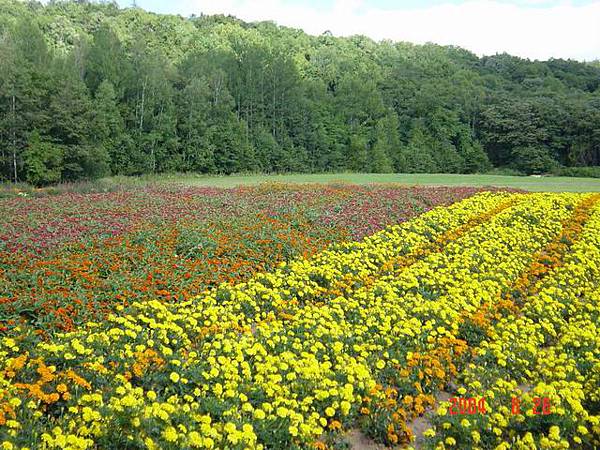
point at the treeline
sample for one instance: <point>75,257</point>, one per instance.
<point>89,89</point>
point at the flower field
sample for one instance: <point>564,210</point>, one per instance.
<point>495,297</point>
<point>71,258</point>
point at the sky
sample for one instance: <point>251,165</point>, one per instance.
<point>535,29</point>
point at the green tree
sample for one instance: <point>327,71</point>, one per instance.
<point>386,145</point>
<point>71,109</point>
<point>43,161</point>
<point>508,124</point>
<point>447,157</point>
<point>106,60</point>
<point>23,86</point>
<point>358,158</point>
<point>386,153</point>
<point>232,148</point>
<point>108,128</point>
<point>533,160</point>
<point>417,154</point>
<point>474,157</point>
<point>151,118</point>
<point>194,123</point>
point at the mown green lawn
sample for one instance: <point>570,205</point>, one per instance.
<point>537,184</point>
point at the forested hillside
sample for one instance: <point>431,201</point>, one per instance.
<point>90,89</point>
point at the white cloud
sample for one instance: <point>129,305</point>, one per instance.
<point>482,26</point>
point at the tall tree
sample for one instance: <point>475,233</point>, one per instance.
<point>23,85</point>
<point>357,155</point>
<point>387,146</point>
<point>43,161</point>
<point>152,116</point>
<point>418,154</point>
<point>195,107</point>
<point>106,60</point>
<point>108,128</point>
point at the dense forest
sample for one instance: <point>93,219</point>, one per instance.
<point>89,89</point>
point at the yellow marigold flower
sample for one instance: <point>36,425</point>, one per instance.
<point>174,377</point>
<point>430,432</point>
<point>170,434</point>
<point>229,427</point>
<point>345,407</point>
<point>450,441</point>
<point>195,439</point>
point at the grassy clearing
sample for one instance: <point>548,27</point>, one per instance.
<point>117,183</point>
<point>534,184</point>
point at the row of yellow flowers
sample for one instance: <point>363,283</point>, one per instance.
<point>545,355</point>
<point>365,334</point>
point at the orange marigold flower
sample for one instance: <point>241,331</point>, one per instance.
<point>335,425</point>
<point>78,380</point>
<point>45,373</point>
<point>392,437</point>
<point>138,369</point>
<point>286,316</point>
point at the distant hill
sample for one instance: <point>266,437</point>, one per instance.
<point>88,89</point>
